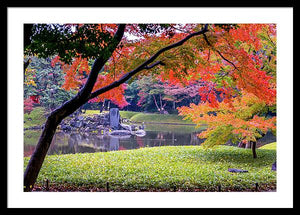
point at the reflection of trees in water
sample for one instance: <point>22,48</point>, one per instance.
<point>28,150</point>
<point>70,143</point>
<point>114,144</point>
<point>140,142</point>
<point>171,138</point>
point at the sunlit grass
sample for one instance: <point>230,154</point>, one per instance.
<point>271,146</point>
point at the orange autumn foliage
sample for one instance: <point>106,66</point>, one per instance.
<point>226,60</point>
<point>239,120</point>
<point>76,76</point>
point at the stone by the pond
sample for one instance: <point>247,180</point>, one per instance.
<point>274,166</point>
<point>236,170</point>
<point>114,118</point>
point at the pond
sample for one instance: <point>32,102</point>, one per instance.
<point>84,142</point>
<point>156,135</point>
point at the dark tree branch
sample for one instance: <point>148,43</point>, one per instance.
<point>155,64</point>
<point>144,65</point>
<point>26,64</point>
<point>221,55</point>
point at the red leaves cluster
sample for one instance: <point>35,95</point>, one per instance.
<point>35,99</point>
<point>28,105</point>
<point>76,75</point>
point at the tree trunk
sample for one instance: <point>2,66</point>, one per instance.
<point>37,158</point>
<point>156,103</point>
<point>161,106</point>
<point>254,149</point>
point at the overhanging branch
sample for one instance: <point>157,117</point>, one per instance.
<point>146,65</point>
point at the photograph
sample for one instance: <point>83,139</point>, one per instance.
<point>177,107</point>
<point>150,111</point>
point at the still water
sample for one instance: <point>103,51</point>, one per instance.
<point>75,142</point>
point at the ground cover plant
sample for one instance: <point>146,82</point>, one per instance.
<point>184,168</point>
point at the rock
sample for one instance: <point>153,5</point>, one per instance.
<point>72,123</point>
<point>65,127</point>
<point>80,118</point>
<point>237,170</point>
<point>126,127</point>
<point>114,118</point>
<point>133,127</point>
<point>78,124</point>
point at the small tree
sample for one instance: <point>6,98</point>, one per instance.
<point>242,121</point>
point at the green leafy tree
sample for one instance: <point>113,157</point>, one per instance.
<point>45,81</point>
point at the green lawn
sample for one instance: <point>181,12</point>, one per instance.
<point>161,168</point>
<point>128,114</point>
<point>159,118</point>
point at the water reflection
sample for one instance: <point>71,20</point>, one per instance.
<point>71,143</point>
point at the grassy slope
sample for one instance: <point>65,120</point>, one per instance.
<point>164,118</point>
<point>186,167</point>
